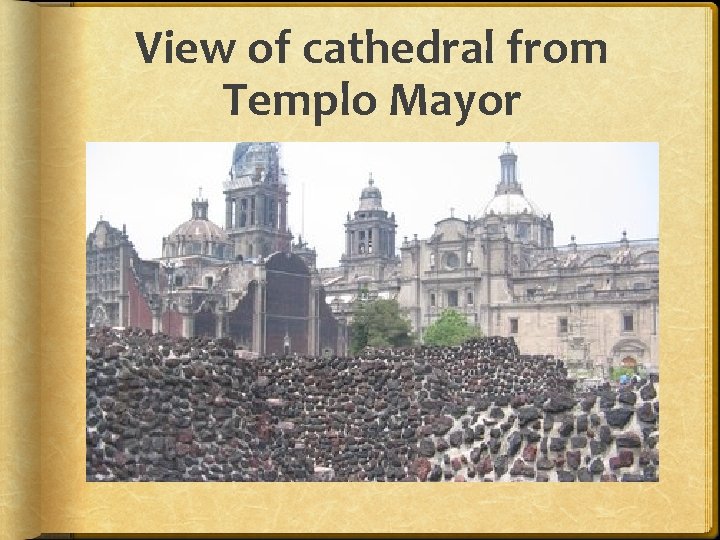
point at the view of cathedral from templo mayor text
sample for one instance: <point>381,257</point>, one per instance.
<point>593,305</point>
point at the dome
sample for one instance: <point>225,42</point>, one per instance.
<point>200,229</point>
<point>512,204</point>
<point>371,198</point>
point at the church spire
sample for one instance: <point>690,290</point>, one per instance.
<point>508,172</point>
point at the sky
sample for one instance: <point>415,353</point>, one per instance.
<point>592,190</point>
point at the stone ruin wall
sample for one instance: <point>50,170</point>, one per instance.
<point>173,409</point>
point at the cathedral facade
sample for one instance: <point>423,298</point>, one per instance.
<point>241,281</point>
<point>593,305</point>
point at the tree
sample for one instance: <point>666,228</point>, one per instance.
<point>450,329</point>
<point>379,323</point>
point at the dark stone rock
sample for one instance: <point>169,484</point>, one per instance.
<point>628,477</point>
<point>605,434</point>
<point>584,475</point>
<point>494,445</point>
<point>441,445</point>
<point>588,403</point>
<point>529,452</point>
<point>559,403</point>
<point>435,474</point>
<point>628,440</point>
<point>528,414</point>
<point>485,466</point>
<point>627,397</point>
<point>582,423</point>
<point>500,465</point>
<point>496,413</point>
<point>608,478</point>
<point>607,399</point>
<point>650,473</point>
<point>566,476</point>
<point>468,436</point>
<point>455,438</point>
<point>578,441</point>
<point>597,466</point>
<point>541,477</point>
<point>558,444</point>
<point>573,458</point>
<point>647,392</point>
<point>442,425</point>
<point>618,418</point>
<point>626,457</point>
<point>530,435</point>
<point>646,414</point>
<point>597,448</point>
<point>544,464</point>
<point>517,468</point>
<point>513,443</point>
<point>426,448</point>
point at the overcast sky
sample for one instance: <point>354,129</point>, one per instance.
<point>592,190</point>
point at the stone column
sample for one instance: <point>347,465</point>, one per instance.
<point>375,240</point>
<point>258,344</point>
<point>228,212</point>
<point>220,325</point>
<point>187,318</point>
<point>313,330</point>
<point>156,309</point>
<point>123,317</point>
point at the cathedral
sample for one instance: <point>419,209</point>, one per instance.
<point>593,305</point>
<point>242,281</point>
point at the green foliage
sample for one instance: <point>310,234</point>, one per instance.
<point>450,329</point>
<point>379,323</point>
<point>618,371</point>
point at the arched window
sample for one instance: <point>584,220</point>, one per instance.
<point>250,250</point>
<point>361,248</point>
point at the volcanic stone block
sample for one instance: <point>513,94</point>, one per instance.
<point>500,465</point>
<point>628,440</point>
<point>544,464</point>
<point>573,458</point>
<point>427,448</point>
<point>597,448</point>
<point>558,444</point>
<point>529,452</point>
<point>528,414</point>
<point>647,392</point>
<point>627,397</point>
<point>513,443</point>
<point>566,476</point>
<point>566,427</point>
<point>578,441</point>
<point>455,438</point>
<point>517,468</point>
<point>605,434</point>
<point>646,414</point>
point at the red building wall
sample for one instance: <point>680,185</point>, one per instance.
<point>139,314</point>
<point>172,323</point>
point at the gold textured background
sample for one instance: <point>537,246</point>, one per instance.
<point>19,271</point>
<point>654,87</point>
